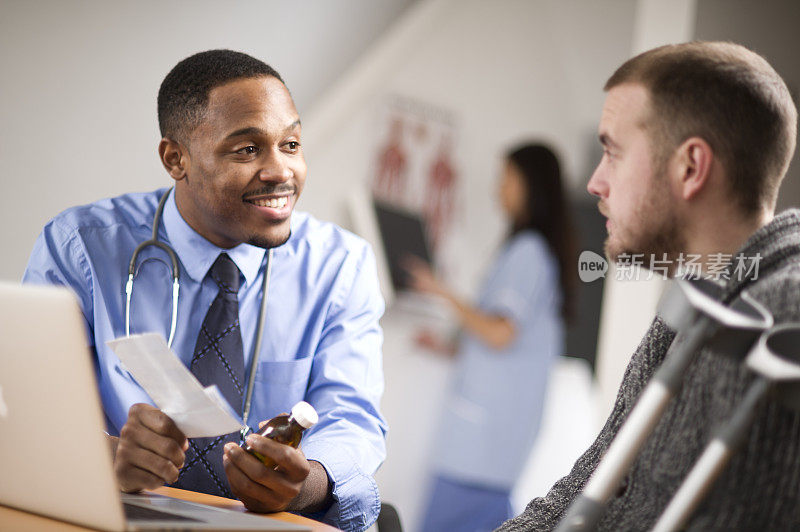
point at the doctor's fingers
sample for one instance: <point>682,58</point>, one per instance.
<point>260,488</point>
<point>139,468</point>
<point>156,421</point>
<point>424,280</point>
<point>291,462</point>
<point>135,436</point>
<point>256,497</point>
<point>134,479</point>
<point>412,262</point>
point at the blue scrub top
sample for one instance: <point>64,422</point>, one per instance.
<point>494,407</point>
<point>322,341</point>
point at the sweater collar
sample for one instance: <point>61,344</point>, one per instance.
<point>772,247</point>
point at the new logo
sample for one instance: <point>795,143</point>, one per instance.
<point>591,266</point>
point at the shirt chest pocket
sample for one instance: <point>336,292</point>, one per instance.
<point>279,384</point>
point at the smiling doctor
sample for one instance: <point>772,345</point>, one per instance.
<point>231,142</point>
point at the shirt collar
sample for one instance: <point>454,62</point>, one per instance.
<point>198,254</point>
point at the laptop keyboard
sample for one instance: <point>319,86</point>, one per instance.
<point>134,512</point>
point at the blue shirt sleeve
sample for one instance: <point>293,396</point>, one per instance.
<point>522,275</point>
<point>346,383</point>
<point>58,258</point>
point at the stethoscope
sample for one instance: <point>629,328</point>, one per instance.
<point>154,241</point>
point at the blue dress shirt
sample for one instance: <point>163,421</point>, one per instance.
<point>494,406</point>
<point>321,343</point>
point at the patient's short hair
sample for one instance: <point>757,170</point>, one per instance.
<point>730,97</point>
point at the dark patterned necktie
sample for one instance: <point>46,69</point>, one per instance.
<point>218,359</point>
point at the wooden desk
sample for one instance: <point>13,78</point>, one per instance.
<point>18,520</point>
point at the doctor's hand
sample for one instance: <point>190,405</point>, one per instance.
<point>150,451</point>
<point>429,340</point>
<point>422,278</point>
<point>295,484</point>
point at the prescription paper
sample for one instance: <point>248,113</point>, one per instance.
<point>199,412</point>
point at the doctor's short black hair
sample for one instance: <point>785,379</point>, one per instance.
<point>183,96</point>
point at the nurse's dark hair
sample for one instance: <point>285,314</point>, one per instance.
<point>547,211</point>
<point>183,96</point>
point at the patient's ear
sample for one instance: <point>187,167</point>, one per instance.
<point>692,163</point>
<point>174,157</point>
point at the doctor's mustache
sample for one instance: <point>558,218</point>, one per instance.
<point>270,189</point>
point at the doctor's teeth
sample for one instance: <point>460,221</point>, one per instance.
<point>274,203</point>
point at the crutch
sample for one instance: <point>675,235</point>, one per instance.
<point>775,360</point>
<point>693,308</point>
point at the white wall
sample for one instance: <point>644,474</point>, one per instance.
<point>79,78</point>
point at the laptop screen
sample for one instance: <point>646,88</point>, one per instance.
<point>403,235</point>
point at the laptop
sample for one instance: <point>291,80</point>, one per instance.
<point>54,457</point>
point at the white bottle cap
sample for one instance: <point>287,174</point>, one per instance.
<point>304,414</point>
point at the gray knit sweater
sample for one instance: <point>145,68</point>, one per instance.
<point>760,489</point>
